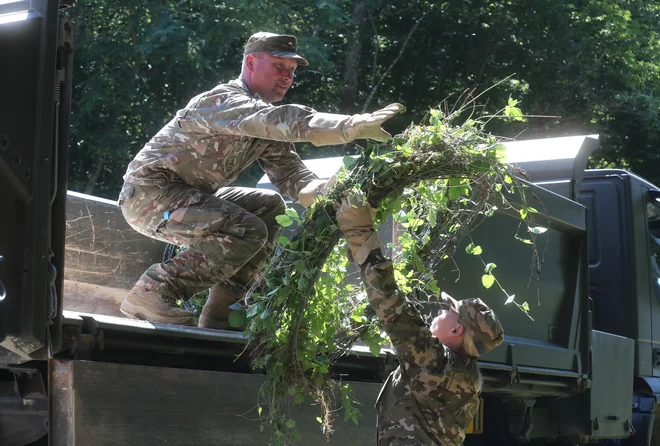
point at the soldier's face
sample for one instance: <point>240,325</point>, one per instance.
<point>271,77</point>
<point>446,328</point>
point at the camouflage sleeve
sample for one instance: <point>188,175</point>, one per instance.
<point>240,114</point>
<point>285,169</point>
<point>409,333</point>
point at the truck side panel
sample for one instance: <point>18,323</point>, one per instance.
<point>109,404</point>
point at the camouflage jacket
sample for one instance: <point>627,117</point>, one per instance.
<point>220,133</point>
<point>431,398</point>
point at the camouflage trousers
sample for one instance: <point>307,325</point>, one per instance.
<point>228,236</point>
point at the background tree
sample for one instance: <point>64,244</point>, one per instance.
<point>592,63</point>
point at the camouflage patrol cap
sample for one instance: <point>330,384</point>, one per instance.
<point>279,45</point>
<point>482,329</point>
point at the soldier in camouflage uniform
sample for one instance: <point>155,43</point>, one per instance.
<point>432,397</point>
<point>176,190</point>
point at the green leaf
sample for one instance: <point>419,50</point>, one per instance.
<point>432,219</point>
<point>524,240</point>
<point>375,348</point>
<point>349,161</point>
<point>300,266</point>
<point>525,306</point>
<point>511,110</point>
<point>457,191</point>
<point>259,410</point>
<point>472,249</point>
<point>489,268</point>
<point>253,310</point>
<point>500,153</point>
<point>237,318</point>
<point>319,420</point>
<point>433,286</point>
<point>302,283</point>
<point>487,280</point>
<point>284,241</point>
<point>284,220</point>
<point>291,213</point>
<point>523,213</point>
<point>290,424</point>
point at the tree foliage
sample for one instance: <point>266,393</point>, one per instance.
<point>589,66</point>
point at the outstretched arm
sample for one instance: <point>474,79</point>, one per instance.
<point>409,333</point>
<point>231,110</point>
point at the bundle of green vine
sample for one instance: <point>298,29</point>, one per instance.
<point>439,181</point>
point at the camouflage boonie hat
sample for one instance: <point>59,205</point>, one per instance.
<point>279,45</point>
<point>482,330</point>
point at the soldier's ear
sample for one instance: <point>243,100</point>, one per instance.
<point>250,60</point>
<point>457,330</point>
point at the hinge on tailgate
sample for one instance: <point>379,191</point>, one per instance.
<point>87,339</point>
<point>582,382</point>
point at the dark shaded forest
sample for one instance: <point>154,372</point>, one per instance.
<point>587,66</point>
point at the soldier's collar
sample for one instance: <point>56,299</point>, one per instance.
<point>244,86</point>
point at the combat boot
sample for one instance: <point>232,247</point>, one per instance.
<point>215,313</point>
<point>152,306</point>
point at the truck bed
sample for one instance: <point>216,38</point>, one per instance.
<point>544,357</point>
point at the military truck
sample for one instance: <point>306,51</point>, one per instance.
<point>74,372</point>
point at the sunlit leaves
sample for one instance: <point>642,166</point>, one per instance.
<point>487,280</point>
<point>472,249</point>
<point>512,111</point>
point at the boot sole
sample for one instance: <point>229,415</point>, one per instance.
<point>137,312</point>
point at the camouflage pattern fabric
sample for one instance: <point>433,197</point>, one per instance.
<point>184,170</point>
<point>432,397</point>
<point>229,235</point>
<point>219,134</point>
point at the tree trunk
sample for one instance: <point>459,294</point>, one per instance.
<point>94,177</point>
<point>352,60</point>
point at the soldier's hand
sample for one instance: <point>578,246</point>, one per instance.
<point>368,125</point>
<point>308,193</point>
<point>317,187</point>
<point>355,217</point>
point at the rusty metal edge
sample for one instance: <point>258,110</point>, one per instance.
<point>61,423</point>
